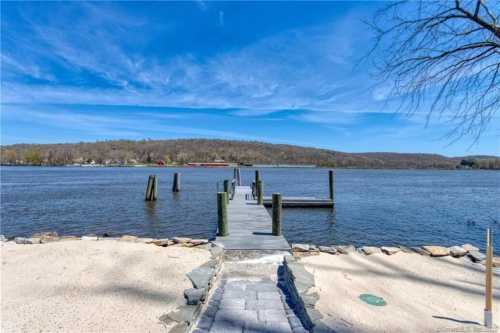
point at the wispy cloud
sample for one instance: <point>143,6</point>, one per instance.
<point>305,68</point>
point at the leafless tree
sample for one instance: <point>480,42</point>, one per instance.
<point>443,57</point>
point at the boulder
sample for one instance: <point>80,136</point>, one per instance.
<point>476,256</point>
<point>194,296</point>
<point>390,250</point>
<point>436,251</point>
<point>24,240</point>
<point>46,237</point>
<point>345,249</point>
<point>420,251</point>
<point>181,240</point>
<point>162,242</point>
<point>368,250</point>
<point>405,249</point>
<point>496,261</point>
<point>196,242</point>
<point>457,251</point>
<point>468,247</point>
<point>300,247</point>
<point>128,238</point>
<point>89,238</point>
<point>67,238</point>
<point>144,240</point>
<point>328,249</point>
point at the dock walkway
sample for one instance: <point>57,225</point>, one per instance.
<point>249,225</point>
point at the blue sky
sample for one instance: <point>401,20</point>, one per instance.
<point>284,72</point>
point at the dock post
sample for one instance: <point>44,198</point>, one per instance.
<point>238,177</point>
<point>260,192</point>
<point>331,184</point>
<point>176,185</point>
<point>152,188</point>
<point>226,189</point>
<point>254,183</point>
<point>276,214</point>
<point>488,314</point>
<point>222,214</point>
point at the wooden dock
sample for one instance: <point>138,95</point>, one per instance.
<point>301,202</point>
<point>249,225</point>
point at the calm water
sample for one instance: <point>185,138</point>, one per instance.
<point>375,207</point>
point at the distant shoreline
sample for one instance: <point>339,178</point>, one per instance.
<point>208,152</point>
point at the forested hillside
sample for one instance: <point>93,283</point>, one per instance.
<point>180,152</point>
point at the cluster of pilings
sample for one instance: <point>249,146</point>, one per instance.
<point>258,193</point>
<point>152,187</point>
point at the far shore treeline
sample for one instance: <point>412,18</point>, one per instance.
<point>181,152</point>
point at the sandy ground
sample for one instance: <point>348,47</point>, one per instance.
<point>423,294</point>
<point>92,286</point>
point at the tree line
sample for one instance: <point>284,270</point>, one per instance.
<point>181,152</point>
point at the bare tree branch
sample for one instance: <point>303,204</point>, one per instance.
<point>441,56</point>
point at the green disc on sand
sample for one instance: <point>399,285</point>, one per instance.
<point>372,299</point>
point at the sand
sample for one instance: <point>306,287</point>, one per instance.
<point>423,294</point>
<point>93,286</point>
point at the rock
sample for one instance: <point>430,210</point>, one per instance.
<point>200,277</point>
<point>345,249</point>
<point>183,314</point>
<point>181,240</point>
<point>128,238</point>
<point>162,242</point>
<point>313,248</point>
<point>468,247</point>
<point>196,242</point>
<point>89,238</point>
<point>496,261</point>
<point>420,251</point>
<point>457,251</point>
<point>405,249</point>
<point>194,296</point>
<point>436,251</point>
<point>368,250</point>
<point>476,256</point>
<point>46,237</point>
<point>24,240</point>
<point>328,249</point>
<point>67,238</point>
<point>390,250</point>
<point>300,247</point>
<point>144,240</point>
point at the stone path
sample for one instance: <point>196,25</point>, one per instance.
<point>250,301</point>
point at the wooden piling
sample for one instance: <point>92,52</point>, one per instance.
<point>237,176</point>
<point>176,184</point>
<point>276,214</point>
<point>260,192</point>
<point>152,188</point>
<point>227,189</point>
<point>488,313</point>
<point>331,184</point>
<point>222,214</point>
<point>257,176</point>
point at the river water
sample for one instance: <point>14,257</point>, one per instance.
<point>373,207</point>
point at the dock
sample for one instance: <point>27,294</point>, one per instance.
<point>301,202</point>
<point>249,225</point>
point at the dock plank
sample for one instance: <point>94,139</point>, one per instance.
<point>250,225</point>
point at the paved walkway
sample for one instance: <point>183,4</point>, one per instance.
<point>248,300</point>
<point>250,225</point>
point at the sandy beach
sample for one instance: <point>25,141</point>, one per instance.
<point>423,294</point>
<point>93,286</point>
